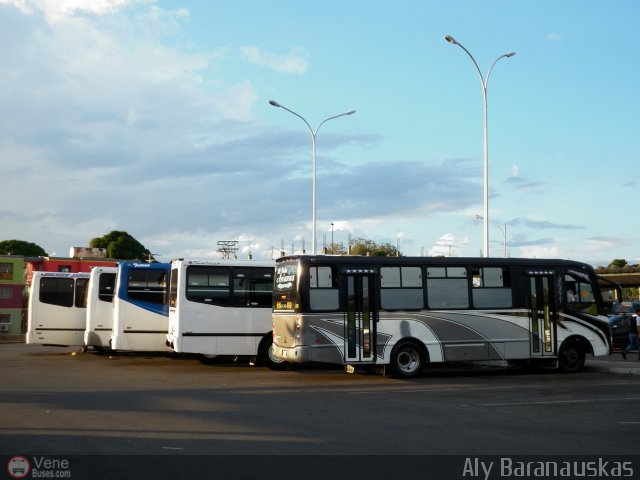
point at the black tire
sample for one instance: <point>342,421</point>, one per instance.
<point>266,358</point>
<point>407,360</point>
<point>208,359</point>
<point>571,357</point>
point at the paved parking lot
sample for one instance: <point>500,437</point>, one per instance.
<point>63,401</point>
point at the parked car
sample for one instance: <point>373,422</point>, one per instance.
<point>620,322</point>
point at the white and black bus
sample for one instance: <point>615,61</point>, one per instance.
<point>406,312</point>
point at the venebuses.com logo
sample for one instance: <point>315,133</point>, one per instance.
<point>18,467</point>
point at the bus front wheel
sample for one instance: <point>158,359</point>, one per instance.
<point>571,357</point>
<point>407,360</point>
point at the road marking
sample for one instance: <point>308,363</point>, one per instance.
<point>551,402</point>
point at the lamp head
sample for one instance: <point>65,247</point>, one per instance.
<point>274,103</point>
<point>510,54</point>
<point>450,39</point>
<point>351,112</point>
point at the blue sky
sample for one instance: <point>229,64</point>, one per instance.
<point>153,117</point>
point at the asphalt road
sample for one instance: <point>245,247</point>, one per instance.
<point>62,402</point>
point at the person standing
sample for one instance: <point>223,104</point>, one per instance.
<point>634,335</point>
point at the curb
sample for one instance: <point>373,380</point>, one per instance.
<point>614,367</point>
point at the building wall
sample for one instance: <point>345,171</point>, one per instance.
<point>12,294</point>
<point>61,264</point>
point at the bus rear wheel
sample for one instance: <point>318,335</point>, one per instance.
<point>407,360</point>
<point>571,357</point>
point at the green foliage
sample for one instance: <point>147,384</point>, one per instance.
<point>618,262</point>
<point>21,247</point>
<point>121,245</point>
<point>361,246</point>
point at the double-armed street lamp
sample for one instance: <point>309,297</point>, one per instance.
<point>503,229</point>
<point>314,134</point>
<point>485,82</point>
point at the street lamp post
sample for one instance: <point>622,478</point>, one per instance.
<point>485,82</point>
<point>332,249</point>
<point>314,133</point>
<point>503,229</point>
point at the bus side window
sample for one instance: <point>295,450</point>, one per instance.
<point>401,288</point>
<point>447,287</point>
<point>173,287</point>
<point>323,291</point>
<point>492,288</point>
<point>208,285</point>
<point>579,293</point>
<point>82,288</point>
<point>252,287</point>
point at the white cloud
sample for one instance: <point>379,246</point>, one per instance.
<point>57,10</point>
<point>236,103</point>
<point>540,252</point>
<point>22,5</point>
<point>448,246</point>
<point>295,62</point>
<point>555,37</point>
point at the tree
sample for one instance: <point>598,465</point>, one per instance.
<point>618,262</point>
<point>361,246</point>
<point>122,246</point>
<point>21,247</point>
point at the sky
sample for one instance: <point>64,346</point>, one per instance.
<point>153,117</point>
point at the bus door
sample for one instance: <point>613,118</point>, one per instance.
<point>360,316</point>
<point>543,313</point>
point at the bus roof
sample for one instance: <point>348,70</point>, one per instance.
<point>224,262</point>
<point>61,274</point>
<point>443,261</point>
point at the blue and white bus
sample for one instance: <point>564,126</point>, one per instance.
<point>406,312</point>
<point>222,308</point>
<point>57,309</point>
<point>140,307</point>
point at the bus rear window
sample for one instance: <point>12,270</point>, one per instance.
<point>147,286</point>
<point>57,291</point>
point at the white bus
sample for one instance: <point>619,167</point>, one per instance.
<point>140,309</point>
<point>57,309</point>
<point>222,307</point>
<point>405,312</point>
<point>100,293</point>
